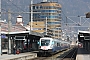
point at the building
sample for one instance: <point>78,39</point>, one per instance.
<point>18,35</point>
<point>45,18</point>
<point>9,31</point>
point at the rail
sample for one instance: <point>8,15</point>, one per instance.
<point>38,58</point>
<point>69,55</point>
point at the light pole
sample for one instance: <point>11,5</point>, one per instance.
<point>88,16</point>
<point>0,42</point>
<point>9,29</point>
<point>46,25</point>
<point>58,32</point>
<point>0,31</point>
<point>31,14</point>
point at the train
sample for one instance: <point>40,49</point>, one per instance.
<point>51,46</point>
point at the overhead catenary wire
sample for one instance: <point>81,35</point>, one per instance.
<point>21,10</point>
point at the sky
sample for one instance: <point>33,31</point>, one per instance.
<point>70,8</point>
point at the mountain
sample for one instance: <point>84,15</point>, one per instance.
<point>69,7</point>
<point>75,7</point>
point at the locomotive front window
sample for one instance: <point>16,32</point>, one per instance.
<point>45,42</point>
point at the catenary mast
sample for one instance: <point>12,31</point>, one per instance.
<point>0,30</point>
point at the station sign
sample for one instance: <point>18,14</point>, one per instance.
<point>81,36</point>
<point>87,38</point>
<point>19,38</point>
<point>3,36</point>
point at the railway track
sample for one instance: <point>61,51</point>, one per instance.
<point>49,57</point>
<point>68,54</point>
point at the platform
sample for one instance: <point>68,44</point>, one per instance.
<point>21,56</point>
<point>82,54</point>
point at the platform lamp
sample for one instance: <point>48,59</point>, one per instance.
<point>88,16</point>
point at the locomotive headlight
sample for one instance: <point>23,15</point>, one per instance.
<point>39,46</point>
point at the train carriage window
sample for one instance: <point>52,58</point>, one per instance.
<point>55,44</point>
<point>38,42</point>
<point>58,44</point>
<point>61,44</point>
<point>45,42</point>
<point>52,42</point>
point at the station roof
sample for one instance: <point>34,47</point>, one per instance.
<point>83,32</point>
<point>82,35</point>
<point>28,32</point>
<point>13,28</point>
<point>16,29</point>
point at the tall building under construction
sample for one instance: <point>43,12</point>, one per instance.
<point>45,18</point>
